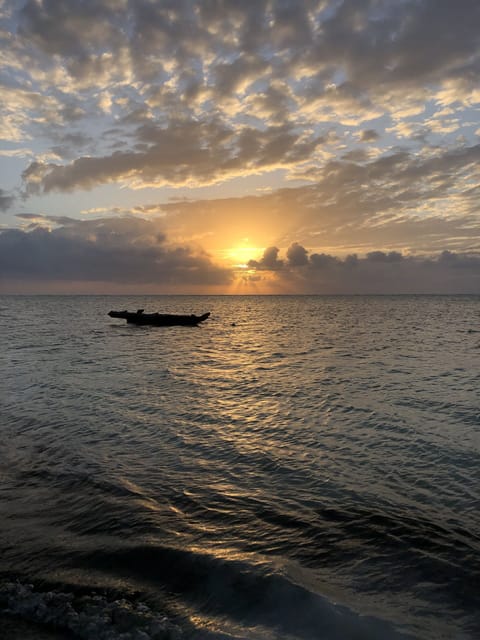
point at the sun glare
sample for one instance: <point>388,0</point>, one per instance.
<point>239,255</point>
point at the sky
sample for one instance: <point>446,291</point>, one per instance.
<point>251,147</point>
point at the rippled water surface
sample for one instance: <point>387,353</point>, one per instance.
<point>295,467</point>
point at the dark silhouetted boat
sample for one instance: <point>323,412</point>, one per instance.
<point>158,319</point>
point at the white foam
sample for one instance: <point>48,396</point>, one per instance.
<point>92,617</point>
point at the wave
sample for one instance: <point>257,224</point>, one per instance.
<point>235,593</point>
<point>224,597</point>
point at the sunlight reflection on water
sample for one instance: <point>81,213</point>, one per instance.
<point>331,443</point>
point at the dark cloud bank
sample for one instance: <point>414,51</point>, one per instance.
<point>378,272</point>
<point>129,252</point>
<point>124,251</point>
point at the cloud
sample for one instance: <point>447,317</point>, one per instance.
<point>239,75</point>
<point>268,262</point>
<point>386,258</point>
<point>46,222</point>
<point>6,200</point>
<point>58,28</point>
<point>388,45</point>
<point>123,251</point>
<point>230,64</point>
<point>399,201</point>
<point>367,107</point>
<point>184,153</point>
<point>378,272</point>
<point>369,135</point>
<point>297,255</point>
<point>118,253</point>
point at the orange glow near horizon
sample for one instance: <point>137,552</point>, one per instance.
<point>247,280</point>
<point>239,255</point>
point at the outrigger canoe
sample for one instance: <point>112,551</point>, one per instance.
<point>158,319</point>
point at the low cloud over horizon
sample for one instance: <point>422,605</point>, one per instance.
<point>123,252</point>
<point>335,127</point>
<point>378,272</point>
<point>133,255</point>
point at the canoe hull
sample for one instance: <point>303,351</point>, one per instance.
<point>159,319</point>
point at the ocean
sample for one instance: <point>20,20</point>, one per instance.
<point>296,467</point>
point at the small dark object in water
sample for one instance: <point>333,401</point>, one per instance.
<point>158,319</point>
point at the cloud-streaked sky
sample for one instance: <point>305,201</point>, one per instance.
<point>254,146</point>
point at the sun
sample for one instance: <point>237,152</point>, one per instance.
<point>238,255</point>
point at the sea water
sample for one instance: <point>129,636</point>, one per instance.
<point>294,467</point>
